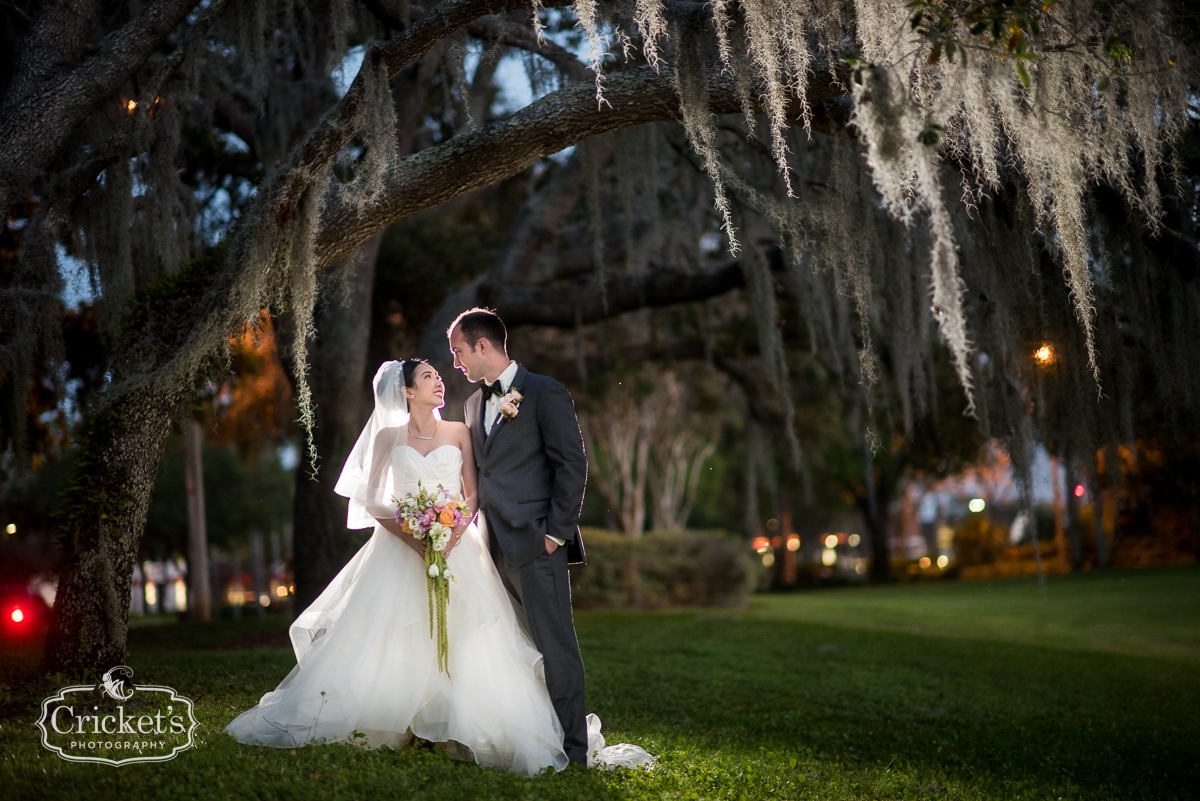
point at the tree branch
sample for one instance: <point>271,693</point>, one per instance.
<point>504,148</point>
<point>43,107</point>
<point>522,304</point>
<point>505,31</point>
<point>72,184</point>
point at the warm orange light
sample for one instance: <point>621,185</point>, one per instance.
<point>130,105</point>
<point>762,544</point>
<point>1044,354</point>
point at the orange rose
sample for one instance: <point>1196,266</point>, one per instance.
<point>407,529</point>
<point>446,518</point>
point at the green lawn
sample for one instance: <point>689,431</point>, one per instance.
<point>949,690</point>
<point>1136,612</point>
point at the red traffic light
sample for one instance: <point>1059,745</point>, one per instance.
<point>17,615</point>
<point>1079,490</point>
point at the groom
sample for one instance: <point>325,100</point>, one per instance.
<point>532,472</point>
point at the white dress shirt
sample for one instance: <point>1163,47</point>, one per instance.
<point>491,410</point>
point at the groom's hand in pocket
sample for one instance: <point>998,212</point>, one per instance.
<point>551,545</point>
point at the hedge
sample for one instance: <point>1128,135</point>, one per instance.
<point>683,568</point>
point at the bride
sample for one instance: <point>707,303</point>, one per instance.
<point>366,667</point>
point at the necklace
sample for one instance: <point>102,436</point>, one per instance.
<point>431,436</point>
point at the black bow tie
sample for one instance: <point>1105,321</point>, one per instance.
<point>492,389</point>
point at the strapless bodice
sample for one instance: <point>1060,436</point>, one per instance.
<point>442,465</point>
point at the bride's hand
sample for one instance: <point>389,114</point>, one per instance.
<point>455,538</point>
<point>408,539</point>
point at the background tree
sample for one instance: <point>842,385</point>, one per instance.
<point>92,121</point>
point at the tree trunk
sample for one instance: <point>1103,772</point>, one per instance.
<point>1073,517</point>
<point>1060,538</point>
<point>637,511</point>
<point>104,514</point>
<point>875,518</point>
<point>881,567</point>
<point>750,490</point>
<point>258,570</point>
<point>785,530</point>
<point>1098,521</point>
<point>337,376</point>
<point>199,600</point>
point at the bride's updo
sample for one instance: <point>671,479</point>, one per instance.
<point>410,369</point>
<point>390,381</point>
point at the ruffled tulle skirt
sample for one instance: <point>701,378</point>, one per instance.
<point>366,665</point>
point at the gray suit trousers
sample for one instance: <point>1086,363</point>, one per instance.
<point>541,593</point>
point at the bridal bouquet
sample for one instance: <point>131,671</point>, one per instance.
<point>432,516</point>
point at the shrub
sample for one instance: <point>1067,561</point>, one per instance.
<point>685,568</point>
<point>977,541</point>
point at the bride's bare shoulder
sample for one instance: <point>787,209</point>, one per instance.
<point>458,431</point>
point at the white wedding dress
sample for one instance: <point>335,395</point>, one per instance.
<point>366,662</point>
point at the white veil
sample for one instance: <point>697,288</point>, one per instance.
<point>371,479</point>
<point>365,479</point>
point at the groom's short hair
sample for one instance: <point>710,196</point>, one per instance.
<point>476,324</point>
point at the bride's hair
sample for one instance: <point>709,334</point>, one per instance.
<point>410,369</point>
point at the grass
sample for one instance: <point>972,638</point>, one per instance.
<point>949,691</point>
<point>1135,612</point>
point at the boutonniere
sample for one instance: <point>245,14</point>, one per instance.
<point>510,403</point>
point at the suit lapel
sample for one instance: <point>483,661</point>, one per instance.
<point>476,413</point>
<point>518,381</point>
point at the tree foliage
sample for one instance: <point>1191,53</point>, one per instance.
<point>1063,127</point>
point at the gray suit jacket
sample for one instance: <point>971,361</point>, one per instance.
<point>532,470</point>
